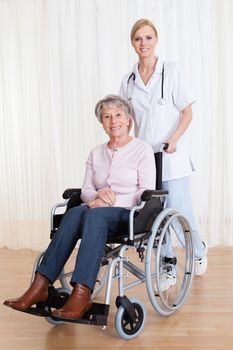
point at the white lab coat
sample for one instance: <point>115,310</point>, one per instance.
<point>154,122</point>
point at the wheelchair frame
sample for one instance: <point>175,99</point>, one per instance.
<point>131,313</point>
<point>162,238</point>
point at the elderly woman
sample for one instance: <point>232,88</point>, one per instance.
<point>117,172</point>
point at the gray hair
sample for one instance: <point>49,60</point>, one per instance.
<point>115,101</point>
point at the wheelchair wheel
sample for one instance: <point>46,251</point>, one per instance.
<point>169,262</point>
<point>126,328</point>
<point>64,292</point>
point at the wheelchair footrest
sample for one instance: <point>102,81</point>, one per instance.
<point>96,316</point>
<point>36,311</point>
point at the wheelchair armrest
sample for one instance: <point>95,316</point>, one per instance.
<point>70,191</point>
<point>147,194</point>
<point>72,199</point>
<point>147,211</point>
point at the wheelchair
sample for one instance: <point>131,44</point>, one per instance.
<point>162,239</point>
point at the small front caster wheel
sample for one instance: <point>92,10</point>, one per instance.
<point>128,327</point>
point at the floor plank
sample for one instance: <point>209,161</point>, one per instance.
<point>204,322</point>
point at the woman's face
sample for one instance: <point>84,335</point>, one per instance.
<point>144,41</point>
<point>115,122</point>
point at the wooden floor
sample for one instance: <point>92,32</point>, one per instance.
<point>204,322</point>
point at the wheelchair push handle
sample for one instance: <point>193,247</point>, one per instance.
<point>164,146</point>
<point>159,166</point>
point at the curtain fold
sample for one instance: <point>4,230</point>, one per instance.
<point>59,57</point>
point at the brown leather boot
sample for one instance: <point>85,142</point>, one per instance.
<point>78,303</point>
<point>37,292</point>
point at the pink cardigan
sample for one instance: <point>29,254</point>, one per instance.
<point>128,171</point>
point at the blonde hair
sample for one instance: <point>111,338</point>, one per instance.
<point>141,23</point>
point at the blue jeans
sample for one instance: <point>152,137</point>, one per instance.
<point>93,226</point>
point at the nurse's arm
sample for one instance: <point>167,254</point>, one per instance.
<point>185,119</point>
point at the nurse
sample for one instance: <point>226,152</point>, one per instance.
<point>162,112</point>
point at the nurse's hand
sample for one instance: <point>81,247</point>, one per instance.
<point>107,195</point>
<point>171,147</point>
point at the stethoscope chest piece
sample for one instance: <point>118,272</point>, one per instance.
<point>161,101</point>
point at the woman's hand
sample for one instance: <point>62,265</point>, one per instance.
<point>171,146</point>
<point>107,196</point>
<point>97,203</point>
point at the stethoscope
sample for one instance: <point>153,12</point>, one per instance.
<point>132,77</point>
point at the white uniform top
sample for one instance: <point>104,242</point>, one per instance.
<point>154,123</point>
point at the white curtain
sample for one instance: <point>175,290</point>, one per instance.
<point>58,57</point>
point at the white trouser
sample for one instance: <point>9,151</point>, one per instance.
<point>179,198</point>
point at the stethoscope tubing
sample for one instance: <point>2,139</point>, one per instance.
<point>162,82</point>
<point>161,100</point>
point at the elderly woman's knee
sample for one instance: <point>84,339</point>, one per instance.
<point>94,217</point>
<point>93,214</point>
<point>74,214</point>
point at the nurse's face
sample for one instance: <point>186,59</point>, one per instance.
<point>115,122</point>
<point>144,41</point>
